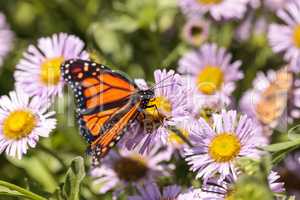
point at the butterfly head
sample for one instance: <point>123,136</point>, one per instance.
<point>145,96</point>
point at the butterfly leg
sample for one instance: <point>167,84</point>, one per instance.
<point>150,122</point>
<point>161,117</point>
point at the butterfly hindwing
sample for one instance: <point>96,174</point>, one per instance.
<point>120,122</point>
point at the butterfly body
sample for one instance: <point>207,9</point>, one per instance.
<point>107,102</point>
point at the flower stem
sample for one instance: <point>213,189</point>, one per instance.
<point>175,53</point>
<point>26,193</point>
<point>179,133</point>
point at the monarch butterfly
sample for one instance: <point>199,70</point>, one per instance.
<point>107,103</point>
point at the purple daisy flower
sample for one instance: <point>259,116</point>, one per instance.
<point>137,139</point>
<point>243,31</point>
<point>185,127</point>
<point>23,119</point>
<point>215,189</point>
<point>191,194</point>
<point>274,184</point>
<point>252,28</point>
<point>292,163</point>
<point>286,38</point>
<point>38,73</point>
<point>170,101</point>
<point>276,4</point>
<point>120,168</point>
<point>150,191</point>
<point>271,97</point>
<point>6,38</point>
<point>217,145</point>
<point>218,9</point>
<point>255,3</point>
<point>210,74</point>
<point>195,31</point>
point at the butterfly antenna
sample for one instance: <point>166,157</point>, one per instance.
<point>172,75</point>
<point>162,86</point>
<point>155,85</point>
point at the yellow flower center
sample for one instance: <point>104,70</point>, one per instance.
<point>207,2</point>
<point>224,147</point>
<point>206,113</point>
<point>210,79</point>
<point>19,124</point>
<point>161,107</point>
<point>131,168</point>
<point>50,71</point>
<point>174,138</point>
<point>196,33</point>
<point>296,36</point>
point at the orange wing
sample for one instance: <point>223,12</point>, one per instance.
<point>101,95</point>
<point>107,140</point>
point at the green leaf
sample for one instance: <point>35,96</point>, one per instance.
<point>277,157</point>
<point>294,133</point>
<point>6,191</point>
<point>253,167</point>
<point>9,189</point>
<point>8,194</point>
<point>37,170</point>
<point>251,187</point>
<point>123,23</point>
<point>282,146</point>
<point>222,34</point>
<point>74,176</point>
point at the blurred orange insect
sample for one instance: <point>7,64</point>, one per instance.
<point>274,99</point>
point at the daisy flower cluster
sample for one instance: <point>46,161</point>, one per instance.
<point>25,112</point>
<point>221,122</point>
<point>41,63</point>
